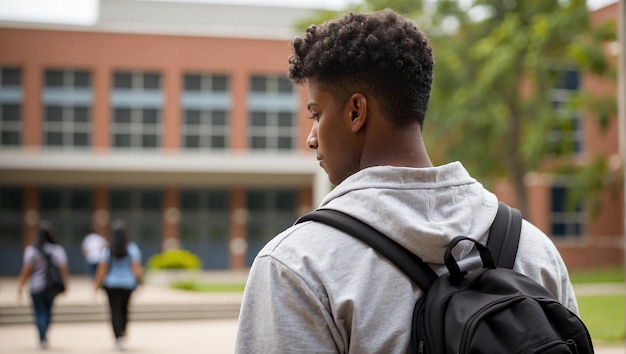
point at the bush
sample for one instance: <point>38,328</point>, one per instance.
<point>174,259</point>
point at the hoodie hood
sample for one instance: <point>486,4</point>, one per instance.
<point>422,209</point>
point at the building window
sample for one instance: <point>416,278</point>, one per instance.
<point>70,211</point>
<point>567,217</point>
<point>11,229</point>
<point>204,225</point>
<point>10,106</point>
<point>270,212</point>
<point>206,106</point>
<point>566,136</point>
<point>141,210</point>
<point>11,210</point>
<point>136,105</point>
<point>272,107</point>
<point>67,100</point>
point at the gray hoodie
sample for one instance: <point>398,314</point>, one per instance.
<point>313,289</point>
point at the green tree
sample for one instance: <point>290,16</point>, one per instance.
<point>497,62</point>
<point>495,75</point>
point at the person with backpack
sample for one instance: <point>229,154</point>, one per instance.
<point>35,268</point>
<point>316,289</point>
<point>119,273</point>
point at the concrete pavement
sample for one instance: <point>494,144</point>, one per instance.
<point>148,336</point>
<point>157,337</point>
<point>214,336</point>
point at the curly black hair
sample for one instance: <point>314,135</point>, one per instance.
<point>380,53</point>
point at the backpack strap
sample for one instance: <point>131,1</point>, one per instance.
<point>46,256</point>
<point>407,261</point>
<point>503,241</point>
<point>504,235</point>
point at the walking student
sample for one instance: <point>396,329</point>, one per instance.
<point>119,272</point>
<point>34,268</point>
<point>92,246</point>
<point>314,289</point>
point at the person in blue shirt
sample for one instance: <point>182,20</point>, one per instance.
<point>119,272</point>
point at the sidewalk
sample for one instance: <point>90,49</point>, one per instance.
<point>214,336</point>
<point>80,292</point>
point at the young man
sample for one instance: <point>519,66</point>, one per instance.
<point>313,289</point>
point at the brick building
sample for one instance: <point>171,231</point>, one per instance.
<point>178,119</point>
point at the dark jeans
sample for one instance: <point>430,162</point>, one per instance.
<point>118,302</point>
<point>91,269</point>
<point>42,305</point>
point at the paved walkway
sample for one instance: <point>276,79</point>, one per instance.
<point>184,336</point>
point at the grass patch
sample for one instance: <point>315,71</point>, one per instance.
<point>604,317</point>
<point>604,275</point>
<point>209,287</point>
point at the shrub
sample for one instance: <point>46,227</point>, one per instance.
<point>174,259</point>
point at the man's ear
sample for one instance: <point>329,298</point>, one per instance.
<point>357,108</point>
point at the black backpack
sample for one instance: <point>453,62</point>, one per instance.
<point>54,281</point>
<point>492,310</point>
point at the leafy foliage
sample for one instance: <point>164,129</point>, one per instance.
<point>497,64</point>
<point>174,259</point>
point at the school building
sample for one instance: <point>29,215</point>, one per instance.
<point>178,118</point>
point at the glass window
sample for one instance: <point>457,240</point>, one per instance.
<point>11,112</point>
<point>11,199</point>
<point>82,79</point>
<point>192,116</point>
<point>10,138</point>
<point>136,123</point>
<point>50,199</point>
<point>81,114</point>
<point>192,82</point>
<point>189,200</point>
<point>258,119</point>
<point>150,116</point>
<point>271,113</point>
<point>270,212</point>
<point>285,119</point>
<point>11,76</point>
<point>565,136</point>
<point>121,115</point>
<point>80,199</point>
<point>205,123</point>
<point>151,200</point>
<point>120,199</point>
<point>258,142</point>
<point>219,118</point>
<point>54,114</point>
<point>150,141</point>
<point>220,83</point>
<point>258,84</point>
<point>192,141</point>
<point>122,80</point>
<point>284,85</point>
<point>54,139</point>
<point>151,81</point>
<point>54,78</point>
<point>81,139</point>
<point>122,140</point>
<point>10,107</point>
<point>284,143</point>
<point>218,142</point>
<point>67,117</point>
<point>567,215</point>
